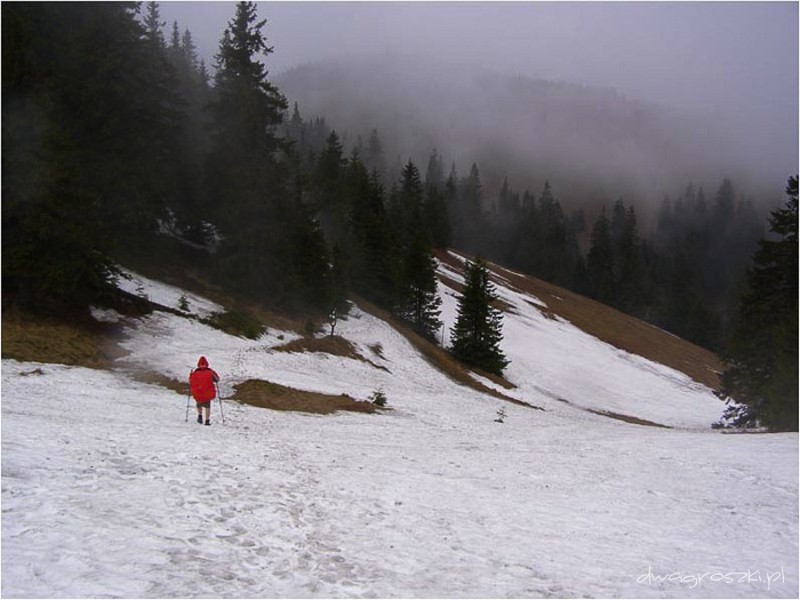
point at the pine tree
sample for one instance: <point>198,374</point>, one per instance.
<point>437,219</point>
<point>374,269</point>
<point>409,203</point>
<point>374,158</point>
<point>477,332</point>
<point>153,28</point>
<point>418,301</point>
<point>625,252</point>
<point>270,247</point>
<point>329,166</point>
<point>189,52</point>
<point>555,250</point>
<point>762,372</point>
<point>330,200</point>
<point>469,220</point>
<point>420,304</point>
<point>174,41</point>
<point>247,107</point>
<point>600,261</point>
<point>434,174</point>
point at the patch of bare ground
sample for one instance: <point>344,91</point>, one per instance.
<point>440,358</point>
<point>153,378</point>
<point>330,344</point>
<point>76,340</point>
<point>612,326</point>
<point>626,418</point>
<point>265,394</point>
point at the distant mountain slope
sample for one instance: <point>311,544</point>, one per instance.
<point>591,143</point>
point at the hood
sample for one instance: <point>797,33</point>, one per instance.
<point>202,363</point>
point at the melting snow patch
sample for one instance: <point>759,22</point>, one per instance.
<point>167,295</point>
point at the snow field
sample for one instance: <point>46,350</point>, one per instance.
<point>108,492</point>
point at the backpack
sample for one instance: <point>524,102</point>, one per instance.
<point>201,382</point>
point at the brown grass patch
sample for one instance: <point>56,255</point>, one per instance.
<point>627,418</point>
<point>153,378</point>
<point>440,358</point>
<point>614,327</point>
<point>501,381</point>
<point>273,396</point>
<point>78,341</point>
<point>335,345</point>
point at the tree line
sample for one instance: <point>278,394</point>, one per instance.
<point>113,133</point>
<point>683,274</point>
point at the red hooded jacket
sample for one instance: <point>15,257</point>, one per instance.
<point>202,381</point>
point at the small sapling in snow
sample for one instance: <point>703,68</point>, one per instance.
<point>183,303</point>
<point>378,398</point>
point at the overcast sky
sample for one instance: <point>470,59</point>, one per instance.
<point>737,59</point>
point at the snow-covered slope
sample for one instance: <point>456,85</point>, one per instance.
<point>556,363</point>
<point>107,491</point>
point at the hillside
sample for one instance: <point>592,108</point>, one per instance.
<point>593,144</point>
<point>107,490</point>
<point>609,325</point>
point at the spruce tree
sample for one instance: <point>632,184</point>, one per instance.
<point>762,371</point>
<point>625,252</point>
<point>418,303</point>
<point>477,332</point>
<point>270,246</point>
<point>600,261</point>
<point>437,219</point>
<point>374,158</point>
<point>373,267</point>
<point>555,248</point>
<point>434,173</point>
<point>329,199</point>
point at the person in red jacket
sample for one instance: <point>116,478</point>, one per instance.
<point>202,382</point>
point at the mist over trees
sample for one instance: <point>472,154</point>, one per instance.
<point>114,133</point>
<point>592,144</point>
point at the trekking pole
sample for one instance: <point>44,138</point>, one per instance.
<point>221,413</point>
<point>188,400</point>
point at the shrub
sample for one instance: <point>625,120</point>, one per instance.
<point>378,398</point>
<point>183,303</point>
<point>237,322</point>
